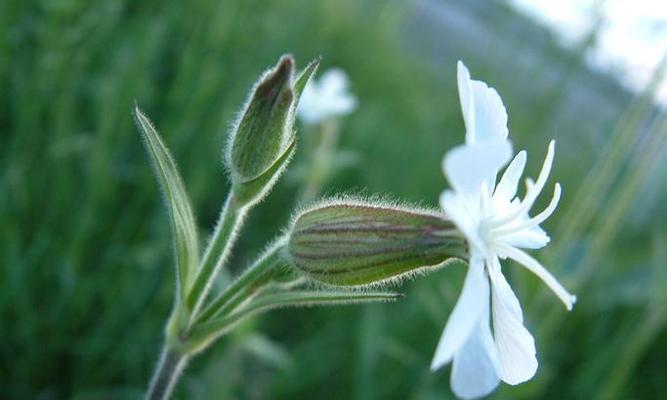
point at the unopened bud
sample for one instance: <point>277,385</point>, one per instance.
<point>262,142</point>
<point>355,243</point>
<point>264,127</point>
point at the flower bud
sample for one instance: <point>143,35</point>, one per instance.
<point>262,141</point>
<point>355,243</point>
<point>265,126</point>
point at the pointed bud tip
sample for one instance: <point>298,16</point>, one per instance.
<point>286,61</point>
<point>277,80</point>
<point>284,70</point>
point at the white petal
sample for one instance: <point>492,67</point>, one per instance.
<point>475,367</point>
<point>326,98</point>
<point>468,168</point>
<point>499,283</point>
<point>506,188</point>
<point>335,96</point>
<point>309,109</point>
<point>484,114</point>
<point>516,346</point>
<point>333,82</point>
<point>464,216</point>
<point>527,238</point>
<point>466,313</point>
<point>534,190</point>
<point>490,113</point>
<point>341,104</point>
<point>535,267</point>
<point>465,96</point>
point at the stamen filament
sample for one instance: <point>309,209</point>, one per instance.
<point>531,196</point>
<point>536,220</point>
<point>533,191</point>
<point>546,213</point>
<point>535,267</point>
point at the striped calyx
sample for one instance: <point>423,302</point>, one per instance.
<point>357,243</point>
<point>265,127</point>
<point>262,142</point>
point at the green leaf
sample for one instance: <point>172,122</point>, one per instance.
<point>304,77</point>
<point>184,229</point>
<point>204,334</point>
<point>251,192</point>
<point>323,297</point>
<point>258,275</point>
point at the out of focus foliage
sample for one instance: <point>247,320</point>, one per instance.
<point>86,270</point>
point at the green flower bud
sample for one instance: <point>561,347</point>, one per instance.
<point>355,243</point>
<point>262,141</point>
<point>265,126</point>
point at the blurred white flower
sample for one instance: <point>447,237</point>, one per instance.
<point>326,98</point>
<point>496,224</point>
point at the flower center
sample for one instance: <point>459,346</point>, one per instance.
<point>487,233</point>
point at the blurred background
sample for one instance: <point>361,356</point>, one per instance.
<point>86,271</point>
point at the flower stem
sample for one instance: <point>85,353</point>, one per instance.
<point>166,374</point>
<point>217,252</point>
<point>246,285</point>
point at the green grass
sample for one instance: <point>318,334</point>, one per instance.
<point>86,271</point>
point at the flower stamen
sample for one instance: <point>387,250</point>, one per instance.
<point>536,220</point>
<point>535,267</point>
<point>533,190</point>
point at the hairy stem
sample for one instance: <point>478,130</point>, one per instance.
<point>246,285</point>
<point>208,331</point>
<point>166,374</point>
<point>217,252</point>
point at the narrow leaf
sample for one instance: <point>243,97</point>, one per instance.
<point>184,229</point>
<point>251,192</point>
<point>205,333</point>
<point>305,298</point>
<point>304,77</point>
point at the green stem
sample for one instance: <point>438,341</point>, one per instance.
<point>216,254</point>
<point>166,375</point>
<point>208,331</point>
<point>246,285</point>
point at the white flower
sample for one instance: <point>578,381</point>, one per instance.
<point>497,226</point>
<point>326,98</point>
